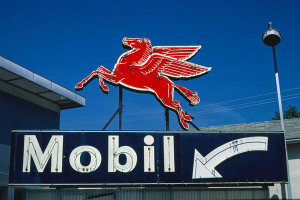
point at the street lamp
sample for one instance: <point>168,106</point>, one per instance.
<point>271,38</point>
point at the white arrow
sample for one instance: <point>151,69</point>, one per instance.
<point>204,167</point>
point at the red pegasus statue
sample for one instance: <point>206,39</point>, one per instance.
<point>149,69</point>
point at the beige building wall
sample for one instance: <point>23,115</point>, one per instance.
<point>294,166</point>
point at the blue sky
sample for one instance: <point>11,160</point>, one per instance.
<point>65,40</point>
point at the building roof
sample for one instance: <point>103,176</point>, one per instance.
<point>16,79</point>
<point>292,128</point>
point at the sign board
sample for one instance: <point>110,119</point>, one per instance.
<point>145,158</point>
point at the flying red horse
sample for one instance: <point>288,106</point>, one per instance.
<point>149,69</point>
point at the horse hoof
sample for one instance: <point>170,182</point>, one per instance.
<point>185,125</point>
<point>194,99</point>
<point>187,118</point>
<point>104,88</point>
<point>79,86</point>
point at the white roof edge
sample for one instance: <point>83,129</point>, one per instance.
<point>10,66</point>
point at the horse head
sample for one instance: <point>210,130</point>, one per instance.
<point>132,43</point>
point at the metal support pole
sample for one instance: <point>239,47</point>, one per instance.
<point>120,107</point>
<point>119,110</point>
<point>167,119</point>
<point>106,125</point>
<point>278,89</point>
<point>194,125</point>
<point>282,123</point>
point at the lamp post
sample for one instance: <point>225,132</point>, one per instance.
<point>271,38</point>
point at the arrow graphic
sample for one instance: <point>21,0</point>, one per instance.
<point>204,167</point>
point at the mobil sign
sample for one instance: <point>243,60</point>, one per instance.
<point>145,158</point>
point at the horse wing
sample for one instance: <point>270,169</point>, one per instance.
<point>178,52</point>
<point>172,67</point>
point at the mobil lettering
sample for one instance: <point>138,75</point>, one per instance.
<point>55,146</point>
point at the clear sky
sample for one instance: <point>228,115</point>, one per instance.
<point>65,40</point>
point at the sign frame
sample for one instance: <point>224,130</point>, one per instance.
<point>186,141</point>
